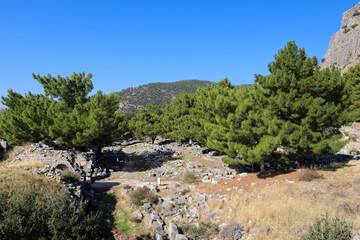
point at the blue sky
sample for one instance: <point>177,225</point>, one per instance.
<point>135,42</point>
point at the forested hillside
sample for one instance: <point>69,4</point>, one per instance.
<point>132,99</point>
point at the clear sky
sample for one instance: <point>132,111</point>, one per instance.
<point>135,42</point>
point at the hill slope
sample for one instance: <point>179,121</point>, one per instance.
<point>132,99</point>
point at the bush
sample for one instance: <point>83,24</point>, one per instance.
<point>142,195</point>
<point>354,26</point>
<point>71,176</point>
<point>127,187</point>
<point>308,175</point>
<point>207,230</point>
<point>356,13</point>
<point>232,231</point>
<point>29,213</point>
<point>189,177</point>
<point>185,191</point>
<point>328,229</point>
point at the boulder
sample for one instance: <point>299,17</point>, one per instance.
<point>172,231</point>
<point>180,237</point>
<point>139,215</point>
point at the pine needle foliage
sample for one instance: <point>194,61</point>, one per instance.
<point>66,113</point>
<point>309,102</point>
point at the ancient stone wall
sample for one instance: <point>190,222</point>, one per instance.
<point>58,159</point>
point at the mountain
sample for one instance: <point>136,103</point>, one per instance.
<point>344,47</point>
<point>132,99</point>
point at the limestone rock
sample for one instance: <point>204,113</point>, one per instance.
<point>180,237</point>
<point>344,47</point>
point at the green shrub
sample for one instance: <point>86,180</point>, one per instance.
<point>127,187</point>
<point>184,191</point>
<point>346,30</point>
<point>326,228</point>
<point>354,26</point>
<point>141,195</point>
<point>189,177</point>
<point>26,213</point>
<point>207,230</point>
<point>356,13</point>
<point>71,176</point>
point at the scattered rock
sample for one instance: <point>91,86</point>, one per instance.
<point>172,231</point>
<point>139,215</point>
<point>175,185</point>
<point>180,201</point>
<point>180,237</point>
<point>172,191</point>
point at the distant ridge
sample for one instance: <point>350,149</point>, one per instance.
<point>132,99</point>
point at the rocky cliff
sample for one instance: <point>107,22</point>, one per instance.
<point>344,48</point>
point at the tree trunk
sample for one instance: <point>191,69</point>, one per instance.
<point>153,140</point>
<point>301,160</point>
<point>262,168</point>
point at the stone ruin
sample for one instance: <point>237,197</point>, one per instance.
<point>58,159</point>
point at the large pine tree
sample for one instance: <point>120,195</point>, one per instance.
<point>309,102</point>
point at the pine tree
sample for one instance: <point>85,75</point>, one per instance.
<point>309,102</point>
<point>177,118</point>
<point>352,78</point>
<point>211,104</point>
<point>26,118</point>
<point>66,114</point>
<point>147,123</point>
<point>69,90</point>
<point>91,124</point>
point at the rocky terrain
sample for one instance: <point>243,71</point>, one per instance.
<point>195,192</point>
<point>344,48</point>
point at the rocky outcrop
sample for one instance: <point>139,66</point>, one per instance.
<point>344,48</point>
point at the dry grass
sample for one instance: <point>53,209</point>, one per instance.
<point>308,174</point>
<point>189,178</point>
<point>293,207</point>
<point>15,178</point>
<point>31,164</point>
<point>14,152</point>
